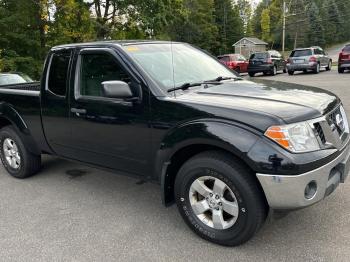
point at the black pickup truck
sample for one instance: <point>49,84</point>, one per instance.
<point>224,149</point>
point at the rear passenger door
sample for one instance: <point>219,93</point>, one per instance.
<point>54,100</point>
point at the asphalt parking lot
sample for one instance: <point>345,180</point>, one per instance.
<point>71,212</point>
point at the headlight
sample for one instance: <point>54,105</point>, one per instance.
<point>297,137</point>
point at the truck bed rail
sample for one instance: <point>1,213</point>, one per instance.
<point>35,86</point>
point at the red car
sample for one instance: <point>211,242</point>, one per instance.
<point>344,59</point>
<point>235,62</point>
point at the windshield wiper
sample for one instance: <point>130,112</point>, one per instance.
<point>216,81</point>
<point>184,86</point>
<point>221,78</point>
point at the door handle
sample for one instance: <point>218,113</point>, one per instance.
<point>78,111</point>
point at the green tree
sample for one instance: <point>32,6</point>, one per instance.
<point>265,25</point>
<point>23,28</point>
<point>316,32</point>
<point>229,24</point>
<point>71,23</point>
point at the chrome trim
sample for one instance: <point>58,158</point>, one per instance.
<point>333,139</point>
<point>19,92</point>
<point>287,192</point>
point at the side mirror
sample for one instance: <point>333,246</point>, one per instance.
<point>116,89</point>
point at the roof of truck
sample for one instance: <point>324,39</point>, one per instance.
<point>113,42</point>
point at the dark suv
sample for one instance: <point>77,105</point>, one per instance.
<point>269,62</point>
<point>344,59</point>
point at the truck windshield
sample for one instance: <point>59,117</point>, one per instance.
<point>172,65</point>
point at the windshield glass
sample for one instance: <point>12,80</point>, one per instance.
<point>299,53</point>
<point>9,79</point>
<point>176,64</point>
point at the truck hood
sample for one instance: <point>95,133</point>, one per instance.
<point>289,102</point>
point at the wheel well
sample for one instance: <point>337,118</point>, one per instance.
<point>4,122</point>
<point>180,157</point>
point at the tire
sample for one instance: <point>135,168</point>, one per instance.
<point>304,71</point>
<point>16,159</point>
<point>238,183</point>
<point>290,72</point>
<point>317,69</point>
<point>284,70</point>
<point>251,74</point>
<point>340,70</point>
<point>274,71</point>
<point>329,67</point>
<point>238,70</point>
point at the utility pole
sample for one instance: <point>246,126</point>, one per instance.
<point>284,23</point>
<point>284,26</point>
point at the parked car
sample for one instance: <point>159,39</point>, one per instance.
<point>224,149</point>
<point>269,62</point>
<point>344,59</point>
<point>306,59</point>
<point>235,62</point>
<point>14,78</point>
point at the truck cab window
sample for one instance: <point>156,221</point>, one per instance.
<point>57,82</point>
<point>97,68</point>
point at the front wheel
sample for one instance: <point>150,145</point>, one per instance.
<point>251,74</point>
<point>329,67</point>
<point>17,160</point>
<point>219,198</point>
<point>290,72</point>
<point>340,70</point>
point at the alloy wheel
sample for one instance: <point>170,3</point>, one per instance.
<point>213,202</point>
<point>11,153</point>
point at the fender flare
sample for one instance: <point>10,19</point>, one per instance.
<point>8,113</point>
<point>227,136</point>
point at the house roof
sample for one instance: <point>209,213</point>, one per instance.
<point>252,40</point>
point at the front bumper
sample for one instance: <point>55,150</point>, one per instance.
<point>289,192</point>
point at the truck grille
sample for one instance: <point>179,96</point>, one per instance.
<point>319,133</point>
<point>332,130</point>
<point>336,120</point>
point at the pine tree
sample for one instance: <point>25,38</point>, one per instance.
<point>229,24</point>
<point>265,25</point>
<point>315,35</point>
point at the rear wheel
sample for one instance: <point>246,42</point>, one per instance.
<point>285,70</point>
<point>290,72</point>
<point>274,71</point>
<point>251,74</point>
<point>219,199</point>
<point>305,71</point>
<point>317,69</point>
<point>17,160</point>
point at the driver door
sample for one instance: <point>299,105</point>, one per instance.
<point>109,132</point>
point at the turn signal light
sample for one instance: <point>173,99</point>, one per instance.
<point>277,134</point>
